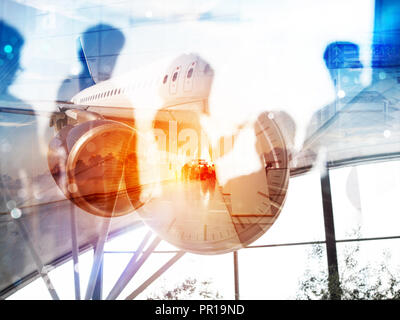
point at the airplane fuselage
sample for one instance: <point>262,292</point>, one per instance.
<point>161,85</point>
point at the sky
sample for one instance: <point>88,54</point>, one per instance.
<point>266,55</point>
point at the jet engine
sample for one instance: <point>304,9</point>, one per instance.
<point>95,165</point>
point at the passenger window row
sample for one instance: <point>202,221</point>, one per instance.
<point>118,91</point>
<point>103,95</point>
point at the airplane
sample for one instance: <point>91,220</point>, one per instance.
<point>119,142</point>
<point>157,97</point>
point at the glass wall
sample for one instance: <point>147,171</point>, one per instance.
<point>326,72</point>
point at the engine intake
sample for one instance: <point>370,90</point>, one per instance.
<point>95,165</point>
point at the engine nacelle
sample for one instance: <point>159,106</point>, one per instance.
<point>95,164</point>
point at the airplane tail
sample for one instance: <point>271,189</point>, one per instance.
<point>84,59</point>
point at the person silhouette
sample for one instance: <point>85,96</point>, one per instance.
<point>98,50</point>
<point>15,172</point>
<point>100,45</point>
<point>342,59</point>
<point>11,43</point>
<point>10,50</point>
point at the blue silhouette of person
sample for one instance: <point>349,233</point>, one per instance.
<point>342,59</point>
<point>14,256</point>
<point>11,43</point>
<point>97,49</point>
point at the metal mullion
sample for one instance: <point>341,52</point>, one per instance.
<point>75,253</point>
<point>155,275</point>
<point>98,258</point>
<point>39,264</point>
<point>132,268</point>
<point>333,269</point>
<point>236,274</point>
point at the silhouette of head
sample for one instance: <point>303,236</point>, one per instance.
<point>102,44</point>
<point>340,55</point>
<point>346,57</point>
<point>11,43</point>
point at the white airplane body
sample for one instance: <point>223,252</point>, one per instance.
<point>123,144</point>
<point>161,85</point>
<point>159,103</point>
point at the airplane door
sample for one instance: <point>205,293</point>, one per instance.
<point>189,77</point>
<point>173,86</point>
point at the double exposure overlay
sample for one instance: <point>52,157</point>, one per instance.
<point>149,149</point>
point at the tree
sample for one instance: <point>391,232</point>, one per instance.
<point>188,289</point>
<point>358,281</point>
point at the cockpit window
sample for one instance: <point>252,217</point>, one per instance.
<point>189,74</point>
<point>165,79</point>
<point>174,76</point>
